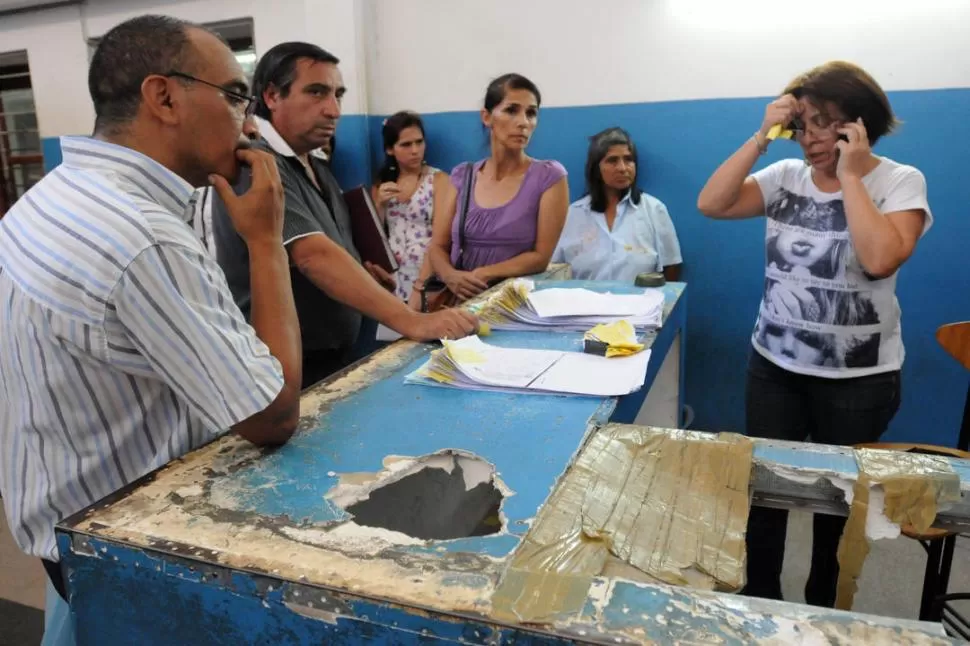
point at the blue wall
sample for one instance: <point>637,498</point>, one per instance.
<point>681,143</point>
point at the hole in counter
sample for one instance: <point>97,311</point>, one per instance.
<point>442,496</point>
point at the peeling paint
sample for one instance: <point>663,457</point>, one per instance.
<point>362,540</point>
<point>314,613</point>
<point>358,486</point>
<point>355,568</point>
<point>363,565</point>
<point>202,508</point>
<point>363,374</point>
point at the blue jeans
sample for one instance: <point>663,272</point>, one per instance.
<point>782,405</point>
<point>58,620</point>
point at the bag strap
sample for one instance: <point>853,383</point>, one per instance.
<point>469,176</point>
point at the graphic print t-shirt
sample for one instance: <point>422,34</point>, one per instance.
<point>821,314</point>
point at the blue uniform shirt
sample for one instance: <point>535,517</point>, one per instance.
<point>643,239</point>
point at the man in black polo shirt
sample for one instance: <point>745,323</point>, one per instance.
<point>298,89</point>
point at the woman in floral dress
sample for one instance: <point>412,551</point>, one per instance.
<point>404,192</point>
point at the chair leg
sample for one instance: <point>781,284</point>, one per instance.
<point>949,544</point>
<point>931,577</point>
<point>963,442</point>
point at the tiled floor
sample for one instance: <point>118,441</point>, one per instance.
<point>22,584</point>
<point>22,579</point>
<point>892,577</point>
<point>890,583</point>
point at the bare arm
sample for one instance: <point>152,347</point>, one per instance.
<point>440,189</point>
<point>336,272</point>
<point>439,250</point>
<point>276,324</point>
<point>258,217</point>
<point>883,242</point>
<point>464,284</point>
<point>731,193</point>
<point>672,272</point>
<point>552,215</point>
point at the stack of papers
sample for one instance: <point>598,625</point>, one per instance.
<point>472,364</point>
<point>518,306</point>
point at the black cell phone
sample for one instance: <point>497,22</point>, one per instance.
<point>389,174</point>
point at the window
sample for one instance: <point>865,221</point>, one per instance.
<point>21,158</point>
<point>238,33</point>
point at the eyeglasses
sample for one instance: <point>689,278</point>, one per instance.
<point>235,99</point>
<point>823,129</point>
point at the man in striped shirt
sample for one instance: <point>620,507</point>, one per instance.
<point>120,345</point>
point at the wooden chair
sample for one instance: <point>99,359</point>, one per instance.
<point>940,543</point>
<point>955,339</point>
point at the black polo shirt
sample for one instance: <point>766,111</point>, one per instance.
<point>325,324</point>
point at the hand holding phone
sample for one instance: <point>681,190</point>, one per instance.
<point>854,150</point>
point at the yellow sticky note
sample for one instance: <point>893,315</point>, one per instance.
<point>779,132</point>
<point>619,336</point>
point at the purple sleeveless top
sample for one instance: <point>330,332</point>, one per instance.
<point>497,234</point>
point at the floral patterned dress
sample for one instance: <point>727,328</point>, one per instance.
<point>409,231</point>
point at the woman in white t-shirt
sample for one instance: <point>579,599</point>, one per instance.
<point>827,343</point>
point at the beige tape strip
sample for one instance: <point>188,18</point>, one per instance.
<point>672,504</point>
<point>916,485</point>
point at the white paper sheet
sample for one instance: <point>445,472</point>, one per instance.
<point>549,303</point>
<point>519,307</point>
<point>474,365</point>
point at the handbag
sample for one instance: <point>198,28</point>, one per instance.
<point>436,295</point>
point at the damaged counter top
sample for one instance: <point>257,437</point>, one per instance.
<point>390,517</point>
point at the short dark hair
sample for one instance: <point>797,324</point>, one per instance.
<point>599,146</point>
<point>391,132</point>
<point>277,68</point>
<point>850,88</point>
<point>499,87</point>
<point>125,56</point>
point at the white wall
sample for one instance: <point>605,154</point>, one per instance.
<point>55,40</point>
<point>438,55</point>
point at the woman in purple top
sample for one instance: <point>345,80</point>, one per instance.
<point>517,204</point>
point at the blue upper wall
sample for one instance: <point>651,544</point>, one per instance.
<point>681,143</point>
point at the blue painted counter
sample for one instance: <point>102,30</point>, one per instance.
<point>232,544</point>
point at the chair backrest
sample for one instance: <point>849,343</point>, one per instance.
<point>955,339</point>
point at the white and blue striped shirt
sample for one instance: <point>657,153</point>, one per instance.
<point>120,345</point>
